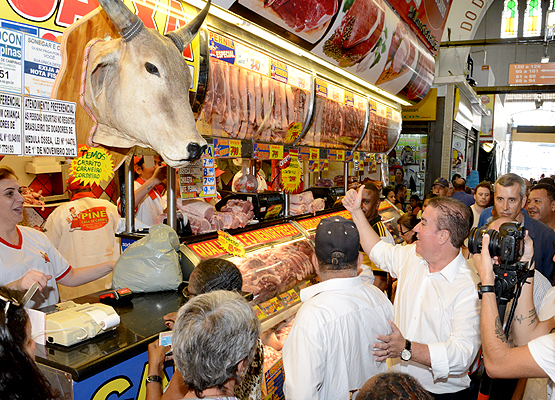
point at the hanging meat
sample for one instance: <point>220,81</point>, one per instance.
<point>304,15</point>
<point>375,140</point>
<point>358,34</point>
<point>400,58</point>
<point>243,104</point>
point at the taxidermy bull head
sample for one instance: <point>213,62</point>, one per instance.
<point>137,87</point>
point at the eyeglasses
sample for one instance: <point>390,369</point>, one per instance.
<point>188,295</point>
<point>352,392</point>
<point>405,232</point>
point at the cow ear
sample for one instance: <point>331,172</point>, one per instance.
<point>103,71</point>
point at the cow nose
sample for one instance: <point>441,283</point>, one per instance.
<point>195,150</point>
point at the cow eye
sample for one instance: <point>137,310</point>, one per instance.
<point>152,69</point>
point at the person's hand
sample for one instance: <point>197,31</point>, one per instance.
<point>159,175</point>
<point>528,249</point>
<point>484,263</point>
<point>392,345</point>
<point>170,319</point>
<point>156,357</point>
<point>353,199</point>
<point>31,277</point>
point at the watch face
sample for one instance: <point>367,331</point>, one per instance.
<point>406,355</point>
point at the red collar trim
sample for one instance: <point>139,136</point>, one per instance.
<point>13,246</point>
<point>81,195</point>
<point>153,193</point>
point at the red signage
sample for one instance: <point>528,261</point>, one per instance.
<point>426,18</point>
<point>312,223</point>
<point>532,74</point>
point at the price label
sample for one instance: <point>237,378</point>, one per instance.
<point>360,102</point>
<point>314,154</point>
<point>332,155</point>
<point>235,148</point>
<point>299,78</point>
<point>230,244</point>
<point>259,313</point>
<point>349,156</point>
<point>381,109</point>
<point>261,151</point>
<point>293,132</point>
<point>396,116</point>
<point>321,88</point>
<point>252,60</point>
<point>221,148</point>
<point>290,297</point>
<point>349,99</point>
<point>304,153</point>
<point>336,93</point>
<point>323,165</point>
<point>341,155</point>
<point>313,166</point>
<point>271,306</point>
<point>276,152</point>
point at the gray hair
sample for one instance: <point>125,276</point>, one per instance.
<point>454,217</point>
<point>213,333</point>
<point>511,179</point>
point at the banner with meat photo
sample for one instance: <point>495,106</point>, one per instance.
<point>307,19</point>
<point>379,48</point>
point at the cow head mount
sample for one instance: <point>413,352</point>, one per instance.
<point>137,87</point>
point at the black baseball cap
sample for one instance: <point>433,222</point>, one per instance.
<point>337,234</point>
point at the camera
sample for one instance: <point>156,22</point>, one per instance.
<point>507,244</point>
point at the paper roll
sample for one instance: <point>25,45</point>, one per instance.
<point>104,320</point>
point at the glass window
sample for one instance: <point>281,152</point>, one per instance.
<point>509,22</point>
<point>532,18</point>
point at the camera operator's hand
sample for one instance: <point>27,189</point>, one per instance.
<point>528,250</point>
<point>484,263</point>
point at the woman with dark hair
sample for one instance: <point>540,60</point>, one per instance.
<point>406,224</point>
<point>20,377</point>
<point>393,386</point>
<point>389,193</point>
<point>27,256</point>
<point>209,275</point>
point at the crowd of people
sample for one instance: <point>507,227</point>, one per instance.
<point>348,339</point>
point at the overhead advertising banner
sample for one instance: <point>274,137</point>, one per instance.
<point>426,18</point>
<point>11,53</point>
<point>49,128</point>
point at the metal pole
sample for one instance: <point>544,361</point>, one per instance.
<point>172,198</point>
<point>346,175</point>
<point>129,196</point>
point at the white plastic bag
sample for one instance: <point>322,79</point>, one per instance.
<point>150,264</point>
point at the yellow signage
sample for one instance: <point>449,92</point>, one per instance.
<point>230,244</point>
<point>425,110</point>
<point>93,165</point>
<point>291,176</point>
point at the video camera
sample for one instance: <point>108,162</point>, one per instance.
<point>508,245</point>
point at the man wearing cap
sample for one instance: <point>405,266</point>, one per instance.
<point>440,187</point>
<point>329,349</point>
<point>436,334</point>
<point>84,232</point>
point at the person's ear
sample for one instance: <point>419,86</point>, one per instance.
<point>524,200</point>
<point>315,263</point>
<point>443,236</point>
<point>241,368</point>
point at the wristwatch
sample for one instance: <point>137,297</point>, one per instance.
<point>485,289</point>
<point>154,378</point>
<point>406,354</point>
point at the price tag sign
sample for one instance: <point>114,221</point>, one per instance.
<point>291,176</point>
<point>341,155</point>
<point>230,244</point>
<point>208,173</point>
<point>298,78</point>
<point>261,151</point>
<point>361,162</point>
<point>293,132</point>
<point>221,148</point>
<point>313,166</point>
<point>290,297</point>
<point>252,60</point>
<point>332,155</point>
<point>278,70</point>
<point>276,152</point>
<point>93,165</point>
<point>314,154</point>
<point>323,165</point>
<point>271,306</point>
<point>259,313</point>
<point>336,93</point>
<point>349,156</point>
<point>382,112</point>
<point>304,153</point>
<point>359,102</point>
<point>234,148</point>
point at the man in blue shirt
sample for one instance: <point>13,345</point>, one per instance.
<point>509,200</point>
<point>459,185</point>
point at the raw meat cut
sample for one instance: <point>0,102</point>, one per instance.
<point>198,207</point>
<point>304,15</point>
<point>402,53</point>
<point>302,198</point>
<point>358,34</point>
<point>271,271</point>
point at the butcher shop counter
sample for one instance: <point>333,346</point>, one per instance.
<point>115,361</point>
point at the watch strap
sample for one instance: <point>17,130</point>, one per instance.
<point>407,344</point>
<point>154,378</point>
<point>485,289</point>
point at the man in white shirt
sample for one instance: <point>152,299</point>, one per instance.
<point>535,355</point>
<point>436,305</point>
<point>329,350</point>
<point>482,195</point>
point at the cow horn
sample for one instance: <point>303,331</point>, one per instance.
<point>128,24</point>
<point>183,36</point>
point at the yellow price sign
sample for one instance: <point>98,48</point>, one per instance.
<point>293,132</point>
<point>235,148</point>
<point>259,314</point>
<point>93,165</point>
<point>291,176</point>
<point>230,244</point>
<point>314,154</point>
<point>276,152</point>
<point>340,155</point>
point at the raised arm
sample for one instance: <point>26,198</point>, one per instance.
<point>368,237</point>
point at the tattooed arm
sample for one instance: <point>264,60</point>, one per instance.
<point>501,361</point>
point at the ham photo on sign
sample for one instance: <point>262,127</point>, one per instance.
<point>308,19</point>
